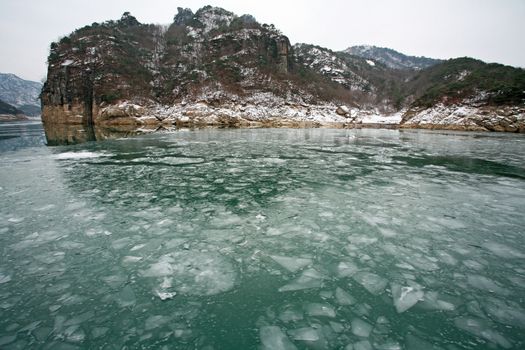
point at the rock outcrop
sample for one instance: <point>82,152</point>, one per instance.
<point>466,117</point>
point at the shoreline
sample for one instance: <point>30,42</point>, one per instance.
<point>241,114</point>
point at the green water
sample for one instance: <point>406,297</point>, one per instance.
<point>263,239</point>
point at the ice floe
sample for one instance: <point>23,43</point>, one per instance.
<point>310,278</point>
<point>322,310</point>
<point>481,328</point>
<point>304,334</point>
<point>198,273</point>
<point>373,283</point>
<point>273,338</point>
<point>291,264</point>
<point>361,328</point>
<point>405,296</point>
<point>78,155</point>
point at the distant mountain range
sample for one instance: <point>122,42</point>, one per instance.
<point>214,67</point>
<point>21,94</point>
<point>391,58</point>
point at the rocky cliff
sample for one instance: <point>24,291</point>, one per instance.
<point>214,67</point>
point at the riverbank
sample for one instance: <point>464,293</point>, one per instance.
<point>447,117</point>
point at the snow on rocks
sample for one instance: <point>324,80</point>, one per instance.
<point>343,110</point>
<point>216,107</point>
<point>466,116</point>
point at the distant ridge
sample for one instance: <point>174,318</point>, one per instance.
<point>20,93</point>
<point>391,58</point>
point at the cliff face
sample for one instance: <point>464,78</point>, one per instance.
<point>211,51</point>
<point>215,67</point>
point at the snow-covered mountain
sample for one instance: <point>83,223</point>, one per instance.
<point>391,58</point>
<point>214,67</point>
<point>20,93</point>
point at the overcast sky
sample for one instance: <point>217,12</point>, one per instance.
<point>491,30</point>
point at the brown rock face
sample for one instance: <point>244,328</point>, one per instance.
<point>104,64</point>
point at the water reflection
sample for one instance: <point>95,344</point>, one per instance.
<point>61,134</point>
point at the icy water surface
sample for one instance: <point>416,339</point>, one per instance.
<point>263,239</point>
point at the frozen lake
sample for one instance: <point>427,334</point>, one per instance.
<point>263,239</point>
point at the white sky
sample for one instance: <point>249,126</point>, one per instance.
<point>491,30</point>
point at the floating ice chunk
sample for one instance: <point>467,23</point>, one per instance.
<point>480,328</point>
<point>137,247</point>
<point>471,264</point>
<point>343,298</point>
<point>167,282</point>
<point>165,295</point>
<point>446,258</point>
<point>405,297</point>
<point>415,343</point>
<point>389,345</point>
<point>273,231</point>
<point>4,278</point>
<point>484,283</point>
<point>78,155</point>
<point>361,240</point>
<point>161,268</point>
<point>75,334</point>
<point>361,328</point>
<point>121,243</point>
<point>423,263</point>
<point>406,266</point>
<point>290,263</point>
<point>98,332</point>
<point>309,279</point>
<point>128,259</point>
<point>371,282</point>
<point>54,308</point>
<point>156,321</point>
<point>386,232</point>
<point>506,313</point>
<point>115,281</point>
<point>273,338</point>
<point>337,327</point>
<point>322,310</point>
<point>72,321</point>
<point>346,269</point>
<point>291,315</point>
<point>304,334</point>
<point>50,258</point>
<point>503,251</point>
<point>198,273</point>
<point>15,220</point>
<point>363,345</point>
<point>126,297</point>
<point>431,301</point>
